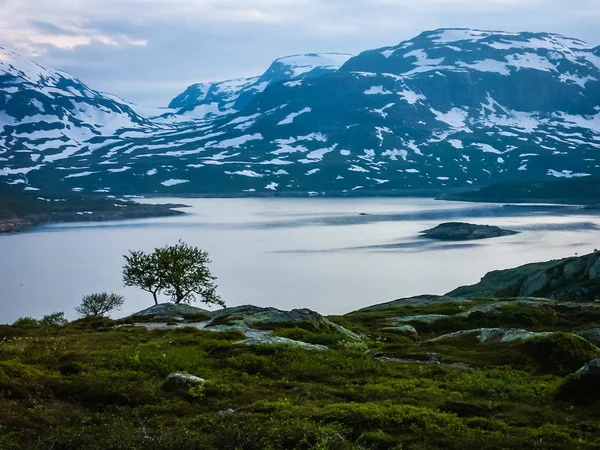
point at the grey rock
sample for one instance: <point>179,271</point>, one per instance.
<point>591,334</point>
<point>534,283</point>
<point>182,380</point>
<point>404,330</point>
<point>590,368</point>
<point>421,300</point>
<point>171,310</point>
<point>491,335</point>
<point>277,340</point>
<point>595,269</point>
<point>426,318</point>
<point>574,269</point>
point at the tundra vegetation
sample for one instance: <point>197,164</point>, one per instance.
<point>445,372</point>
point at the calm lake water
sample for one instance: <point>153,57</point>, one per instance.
<point>330,255</point>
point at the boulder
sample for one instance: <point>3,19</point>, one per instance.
<point>182,381</point>
<point>403,330</point>
<point>277,340</point>
<point>172,311</point>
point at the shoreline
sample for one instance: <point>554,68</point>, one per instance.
<point>136,206</point>
<point>28,222</point>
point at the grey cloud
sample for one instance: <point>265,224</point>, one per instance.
<point>203,40</point>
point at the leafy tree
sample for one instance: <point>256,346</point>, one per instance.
<point>141,270</point>
<point>97,305</point>
<point>55,319</point>
<point>184,274</point>
<point>180,271</point>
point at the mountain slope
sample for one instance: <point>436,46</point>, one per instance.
<point>449,108</point>
<point>227,97</point>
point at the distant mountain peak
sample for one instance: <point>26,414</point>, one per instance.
<point>227,97</point>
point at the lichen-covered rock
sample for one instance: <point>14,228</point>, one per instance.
<point>594,271</point>
<point>569,279</point>
<point>403,330</point>
<point>491,335</point>
<point>277,340</point>
<point>420,300</point>
<point>591,334</point>
<point>425,318</point>
<point>534,283</point>
<point>574,269</point>
<point>171,310</point>
<point>182,381</point>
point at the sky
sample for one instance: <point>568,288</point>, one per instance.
<point>148,51</point>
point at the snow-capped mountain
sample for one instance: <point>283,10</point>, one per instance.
<point>227,97</point>
<point>449,108</point>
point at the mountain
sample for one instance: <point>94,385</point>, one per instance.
<point>450,108</point>
<point>227,97</point>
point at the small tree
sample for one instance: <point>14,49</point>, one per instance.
<point>56,319</point>
<point>141,270</point>
<point>97,305</point>
<point>180,271</point>
<point>184,274</point>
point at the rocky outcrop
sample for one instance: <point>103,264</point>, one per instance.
<point>572,279</point>
<point>172,311</point>
<point>425,318</point>
<point>256,323</point>
<point>421,300</point>
<point>485,335</point>
<point>460,231</point>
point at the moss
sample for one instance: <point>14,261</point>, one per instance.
<point>561,353</point>
<point>90,385</point>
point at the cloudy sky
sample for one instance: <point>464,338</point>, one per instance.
<point>147,51</point>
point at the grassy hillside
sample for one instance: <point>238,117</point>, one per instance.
<point>92,384</point>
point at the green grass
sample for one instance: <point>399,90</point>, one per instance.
<point>92,385</point>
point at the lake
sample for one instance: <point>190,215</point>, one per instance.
<point>330,255</point>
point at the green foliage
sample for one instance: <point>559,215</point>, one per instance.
<point>141,270</point>
<point>180,271</point>
<point>26,322</point>
<point>56,319</point>
<point>92,385</point>
<point>561,353</point>
<point>98,305</point>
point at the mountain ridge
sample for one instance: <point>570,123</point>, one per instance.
<point>450,108</point>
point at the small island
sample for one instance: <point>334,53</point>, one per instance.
<point>460,231</point>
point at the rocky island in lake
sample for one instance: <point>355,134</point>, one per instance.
<point>460,231</point>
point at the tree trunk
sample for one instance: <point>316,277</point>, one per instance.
<point>178,296</point>
<point>155,298</point>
